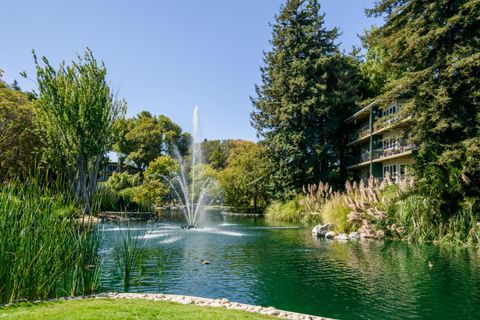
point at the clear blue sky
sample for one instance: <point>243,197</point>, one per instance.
<point>164,56</point>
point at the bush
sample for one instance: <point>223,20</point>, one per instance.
<point>464,227</point>
<point>124,191</point>
<point>416,218</point>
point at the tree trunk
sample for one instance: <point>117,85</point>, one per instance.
<point>82,181</point>
<point>92,183</point>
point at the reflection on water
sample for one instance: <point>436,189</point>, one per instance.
<point>284,266</point>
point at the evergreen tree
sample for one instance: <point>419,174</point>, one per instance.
<point>433,49</point>
<point>307,89</point>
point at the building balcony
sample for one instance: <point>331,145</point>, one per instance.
<point>359,160</point>
<point>359,135</point>
<point>390,121</point>
<point>398,150</point>
<point>381,154</point>
<point>379,126</point>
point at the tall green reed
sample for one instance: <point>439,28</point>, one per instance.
<point>127,253</point>
<point>44,251</point>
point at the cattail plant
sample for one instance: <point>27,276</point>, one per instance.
<point>128,253</point>
<point>44,251</point>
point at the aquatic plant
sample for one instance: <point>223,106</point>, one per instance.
<point>127,253</point>
<point>44,250</point>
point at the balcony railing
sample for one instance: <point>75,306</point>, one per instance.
<point>360,133</point>
<point>397,149</point>
<point>389,121</point>
<point>381,153</point>
<point>364,156</point>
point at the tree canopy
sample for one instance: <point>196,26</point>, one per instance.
<point>243,181</point>
<point>308,88</point>
<point>20,135</point>
<point>431,49</point>
<point>144,138</point>
<point>77,110</point>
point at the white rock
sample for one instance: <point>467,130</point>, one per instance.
<point>354,235</point>
<point>330,235</point>
<point>320,230</point>
<point>342,236</point>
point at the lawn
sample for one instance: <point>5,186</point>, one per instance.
<point>119,309</point>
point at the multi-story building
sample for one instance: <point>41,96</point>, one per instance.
<point>378,143</point>
<point>112,167</point>
<point>108,170</point>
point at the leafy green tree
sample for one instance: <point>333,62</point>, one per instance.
<point>308,88</point>
<point>119,181</point>
<point>433,48</point>
<point>163,166</point>
<point>218,152</point>
<point>144,138</point>
<point>20,135</point>
<point>77,109</point>
<point>150,193</point>
<point>375,69</point>
<point>156,175</point>
<point>243,181</point>
<point>215,153</point>
<point>124,191</point>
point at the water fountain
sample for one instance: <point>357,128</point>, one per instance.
<point>191,191</point>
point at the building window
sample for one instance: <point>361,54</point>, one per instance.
<point>391,169</point>
<point>390,143</point>
<point>391,110</point>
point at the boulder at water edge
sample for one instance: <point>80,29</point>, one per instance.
<point>354,235</point>
<point>342,236</point>
<point>330,235</point>
<point>320,230</point>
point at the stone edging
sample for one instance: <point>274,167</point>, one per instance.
<point>204,302</point>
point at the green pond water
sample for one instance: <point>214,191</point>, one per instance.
<point>255,262</point>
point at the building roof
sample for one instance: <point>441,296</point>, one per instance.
<point>362,114</point>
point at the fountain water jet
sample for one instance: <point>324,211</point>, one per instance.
<point>191,193</point>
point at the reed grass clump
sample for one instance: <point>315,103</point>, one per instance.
<point>289,211</point>
<point>44,251</point>
<point>336,212</point>
<point>418,218</point>
<point>127,254</point>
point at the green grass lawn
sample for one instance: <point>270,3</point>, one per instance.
<point>119,309</point>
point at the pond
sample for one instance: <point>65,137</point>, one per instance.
<point>284,266</point>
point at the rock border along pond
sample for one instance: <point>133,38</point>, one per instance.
<point>198,301</point>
